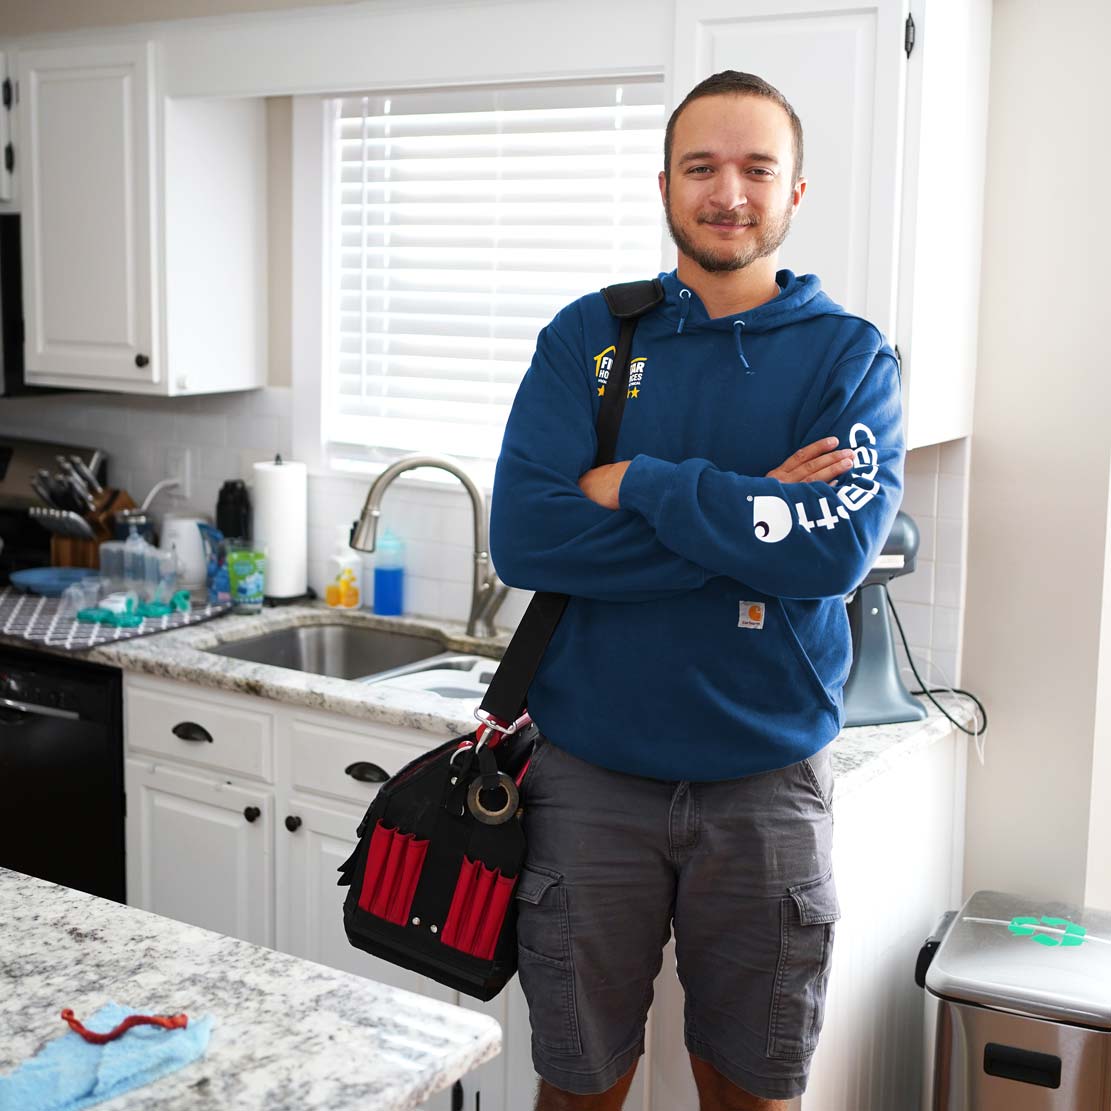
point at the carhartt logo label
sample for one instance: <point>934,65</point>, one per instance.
<point>603,364</point>
<point>752,615</point>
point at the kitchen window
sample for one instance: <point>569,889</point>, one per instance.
<point>459,221</point>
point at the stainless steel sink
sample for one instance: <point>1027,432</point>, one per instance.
<point>450,675</point>
<point>339,651</point>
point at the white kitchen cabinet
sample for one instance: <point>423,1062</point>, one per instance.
<point>200,850</point>
<point>894,156</point>
<point>144,233</point>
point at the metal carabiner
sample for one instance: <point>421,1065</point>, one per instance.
<point>492,723</point>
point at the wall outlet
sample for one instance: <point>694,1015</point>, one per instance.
<point>179,465</point>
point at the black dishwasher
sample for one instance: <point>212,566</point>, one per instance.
<point>61,772</point>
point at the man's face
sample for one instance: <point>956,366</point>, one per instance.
<point>730,199</point>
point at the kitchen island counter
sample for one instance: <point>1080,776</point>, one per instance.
<point>288,1033</point>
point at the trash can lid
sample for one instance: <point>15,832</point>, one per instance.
<point>1046,959</point>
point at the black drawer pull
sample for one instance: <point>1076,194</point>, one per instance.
<point>366,773</point>
<point>191,731</point>
<point>292,823</point>
<point>251,813</point>
<point>1023,1065</point>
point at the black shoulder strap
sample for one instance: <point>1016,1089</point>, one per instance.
<point>628,302</point>
<point>632,299</point>
<point>508,690</point>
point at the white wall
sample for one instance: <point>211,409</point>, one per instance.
<point>1039,492</point>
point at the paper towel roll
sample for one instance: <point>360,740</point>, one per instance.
<point>281,501</point>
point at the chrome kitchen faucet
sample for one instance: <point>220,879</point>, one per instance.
<point>488,592</point>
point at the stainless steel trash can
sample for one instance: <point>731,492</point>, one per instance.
<point>1022,990</point>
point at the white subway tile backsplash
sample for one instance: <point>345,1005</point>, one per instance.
<point>953,457</point>
<point>946,625</point>
<point>923,460</point>
<point>951,494</point>
<point>200,430</point>
<point>917,620</point>
<point>920,496</point>
<point>916,587</point>
<point>942,670</point>
<point>947,584</point>
<point>422,597</point>
<point>455,600</point>
<point>950,541</point>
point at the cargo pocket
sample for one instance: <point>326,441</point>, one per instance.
<point>544,960</point>
<point>807,914</point>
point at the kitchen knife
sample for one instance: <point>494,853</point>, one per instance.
<point>59,498</point>
<point>63,495</point>
<point>76,482</point>
<point>43,491</point>
<point>86,473</point>
<point>78,489</point>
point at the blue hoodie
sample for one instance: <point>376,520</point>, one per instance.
<point>706,636</point>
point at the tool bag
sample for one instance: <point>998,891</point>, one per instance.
<point>441,846</point>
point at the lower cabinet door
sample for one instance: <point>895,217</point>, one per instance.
<point>313,841</point>
<point>199,850</point>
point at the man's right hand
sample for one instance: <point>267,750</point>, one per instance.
<point>817,462</point>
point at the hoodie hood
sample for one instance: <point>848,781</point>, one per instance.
<point>799,299</point>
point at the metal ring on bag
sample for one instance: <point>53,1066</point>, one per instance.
<point>505,812</point>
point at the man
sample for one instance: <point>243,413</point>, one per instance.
<point>689,693</point>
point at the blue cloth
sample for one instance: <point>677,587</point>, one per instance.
<point>69,1072</point>
<point>706,637</point>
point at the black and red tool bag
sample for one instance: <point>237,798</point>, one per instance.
<point>441,846</point>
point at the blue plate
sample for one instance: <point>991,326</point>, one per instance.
<point>50,581</point>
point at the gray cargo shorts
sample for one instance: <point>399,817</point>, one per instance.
<point>743,870</point>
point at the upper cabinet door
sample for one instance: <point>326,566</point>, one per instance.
<point>841,67</point>
<point>86,127</point>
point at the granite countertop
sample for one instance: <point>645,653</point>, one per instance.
<point>288,1033</point>
<point>859,754</point>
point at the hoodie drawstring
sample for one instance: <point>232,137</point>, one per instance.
<point>685,307</point>
<point>737,326</point>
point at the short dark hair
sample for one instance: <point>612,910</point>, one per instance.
<point>732,83</point>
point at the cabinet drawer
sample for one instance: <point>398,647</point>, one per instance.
<point>226,737</point>
<point>320,754</point>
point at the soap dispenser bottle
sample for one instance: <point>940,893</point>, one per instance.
<point>344,589</point>
<point>389,576</point>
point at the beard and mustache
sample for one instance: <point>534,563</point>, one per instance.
<point>768,238</point>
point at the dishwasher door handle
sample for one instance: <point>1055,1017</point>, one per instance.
<point>43,711</point>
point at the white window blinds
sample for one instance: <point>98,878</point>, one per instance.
<point>462,221</point>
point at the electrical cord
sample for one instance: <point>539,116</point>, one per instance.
<point>929,692</point>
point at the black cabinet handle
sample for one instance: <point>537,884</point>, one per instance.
<point>191,731</point>
<point>366,773</point>
<point>141,360</point>
<point>292,823</point>
<point>251,813</point>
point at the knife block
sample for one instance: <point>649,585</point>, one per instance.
<point>65,551</point>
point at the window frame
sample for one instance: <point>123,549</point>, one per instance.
<point>311,293</point>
